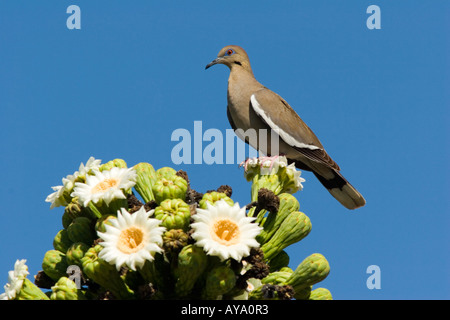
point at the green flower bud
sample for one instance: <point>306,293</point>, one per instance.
<point>81,230</point>
<point>113,163</point>
<point>292,182</point>
<point>61,242</point>
<point>192,261</point>
<point>174,214</point>
<point>30,291</point>
<point>173,187</point>
<point>293,229</point>
<point>321,294</point>
<point>165,172</point>
<point>55,264</point>
<point>104,274</point>
<point>66,289</point>
<point>76,252</point>
<point>312,270</point>
<point>219,281</point>
<point>212,197</point>
<point>66,219</point>
<point>146,178</point>
<point>274,174</point>
<point>252,168</point>
<point>270,182</point>
<point>74,209</point>
<point>104,220</point>
<point>288,204</point>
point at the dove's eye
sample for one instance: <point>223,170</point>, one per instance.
<point>230,52</point>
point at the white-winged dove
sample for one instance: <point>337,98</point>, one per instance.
<point>253,106</point>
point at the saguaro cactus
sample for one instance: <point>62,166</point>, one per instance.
<point>174,242</point>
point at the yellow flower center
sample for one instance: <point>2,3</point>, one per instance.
<point>105,185</point>
<point>130,240</point>
<point>225,232</point>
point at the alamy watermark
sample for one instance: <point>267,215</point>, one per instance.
<point>213,147</point>
<point>374,280</point>
<point>74,273</point>
<point>374,20</point>
<point>74,20</point>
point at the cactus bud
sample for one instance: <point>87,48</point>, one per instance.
<point>61,242</point>
<point>55,264</point>
<point>113,163</point>
<point>74,209</point>
<point>81,230</point>
<point>66,220</point>
<point>104,220</point>
<point>165,172</point>
<point>174,214</point>
<point>66,289</point>
<point>146,178</point>
<point>320,294</point>
<point>212,197</point>
<point>172,187</point>
<point>30,291</point>
<point>76,252</point>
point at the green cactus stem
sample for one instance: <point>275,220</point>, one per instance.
<point>192,262</point>
<point>281,260</point>
<point>312,270</point>
<point>293,229</point>
<point>277,277</point>
<point>288,204</point>
<point>219,281</point>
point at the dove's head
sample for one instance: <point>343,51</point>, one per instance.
<point>232,57</point>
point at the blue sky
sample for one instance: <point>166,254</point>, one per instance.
<point>117,88</point>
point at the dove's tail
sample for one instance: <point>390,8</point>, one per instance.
<point>340,188</point>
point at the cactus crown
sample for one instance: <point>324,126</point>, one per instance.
<point>177,243</point>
